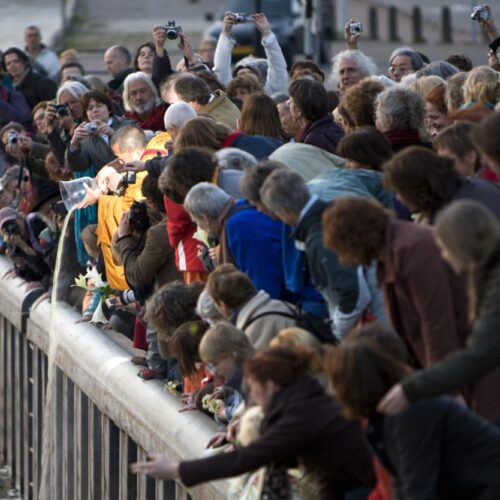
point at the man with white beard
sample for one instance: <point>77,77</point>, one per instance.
<point>142,103</point>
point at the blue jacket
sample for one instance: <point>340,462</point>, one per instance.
<point>254,240</point>
<point>258,145</point>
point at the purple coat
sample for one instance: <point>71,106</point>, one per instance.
<point>323,133</point>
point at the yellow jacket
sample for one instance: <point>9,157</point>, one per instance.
<point>109,213</point>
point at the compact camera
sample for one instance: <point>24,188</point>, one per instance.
<point>62,110</point>
<point>355,28</point>
<point>480,13</point>
<point>172,30</point>
<point>12,137</point>
<point>10,228</point>
<point>127,179</point>
<point>243,18</point>
<point>139,218</point>
<point>91,127</point>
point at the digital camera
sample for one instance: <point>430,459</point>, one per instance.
<point>91,127</point>
<point>172,30</point>
<point>10,228</point>
<point>355,28</point>
<point>480,13</point>
<point>243,18</point>
<point>62,110</point>
<point>127,179</point>
<point>139,218</point>
<point>12,137</point>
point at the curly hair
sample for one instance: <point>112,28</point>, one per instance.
<point>482,86</point>
<point>310,66</point>
<point>365,64</point>
<point>185,169</point>
<point>423,179</point>
<point>243,84</point>
<point>172,305</point>
<point>355,229</point>
<point>359,101</point>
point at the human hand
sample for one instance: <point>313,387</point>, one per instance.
<point>91,196</point>
<point>185,46</point>
<point>217,440</point>
<point>135,166</point>
<point>351,38</point>
<point>15,150</point>
<point>488,26</point>
<point>232,430</point>
<point>124,228</point>
<point>262,24</point>
<point>159,38</point>
<point>158,466</point>
<point>51,117</point>
<point>394,401</point>
<point>79,134</point>
<point>25,143</point>
<point>228,22</point>
<point>83,319</point>
<point>103,128</point>
<point>10,274</point>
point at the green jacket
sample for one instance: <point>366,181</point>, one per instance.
<point>222,109</point>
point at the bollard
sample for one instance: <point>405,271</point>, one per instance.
<point>417,25</point>
<point>393,24</point>
<point>446,29</point>
<point>373,22</point>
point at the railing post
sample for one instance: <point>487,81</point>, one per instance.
<point>446,27</point>
<point>373,22</point>
<point>393,24</point>
<point>417,25</point>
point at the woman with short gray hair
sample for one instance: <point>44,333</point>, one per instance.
<point>399,115</point>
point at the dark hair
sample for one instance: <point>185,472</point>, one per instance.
<point>460,61</point>
<point>253,179</point>
<point>152,193</point>
<point>18,52</point>
<point>210,78</point>
<point>457,138</point>
<point>72,64</point>
<point>359,101</point>
<point>138,51</point>
<point>281,365</point>
<point>425,180</point>
<point>184,345</point>
<point>361,372</point>
<point>230,286</point>
<point>191,88</point>
<point>186,169</point>
<point>333,99</point>
<point>367,146</point>
<point>172,305</point>
<point>355,229</point>
<point>259,116</point>
<point>485,136</point>
<point>310,97</point>
<point>98,96</point>
<point>306,65</point>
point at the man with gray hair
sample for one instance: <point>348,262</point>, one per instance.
<point>403,61</point>
<point>351,66</point>
<point>118,63</point>
<point>247,238</point>
<point>142,103</point>
<point>346,290</point>
<point>176,115</point>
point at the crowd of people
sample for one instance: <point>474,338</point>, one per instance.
<point>311,260</point>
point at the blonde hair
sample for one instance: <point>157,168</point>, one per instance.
<point>470,233</point>
<point>425,84</point>
<point>224,339</point>
<point>294,338</point>
<point>482,86</point>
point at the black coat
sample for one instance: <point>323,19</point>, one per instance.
<point>36,88</point>
<point>438,449</point>
<point>304,424</point>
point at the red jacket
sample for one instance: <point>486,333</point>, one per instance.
<point>180,230</point>
<point>154,121</point>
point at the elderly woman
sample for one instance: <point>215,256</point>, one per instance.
<point>328,445</point>
<point>399,114</point>
<point>89,147</point>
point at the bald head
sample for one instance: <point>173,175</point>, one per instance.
<point>117,59</point>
